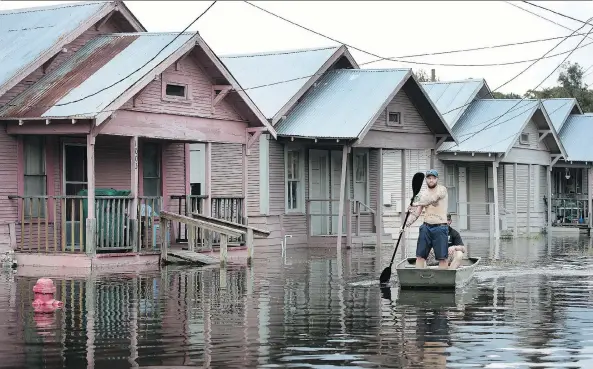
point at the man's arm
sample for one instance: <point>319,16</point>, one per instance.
<point>415,212</point>
<point>429,198</point>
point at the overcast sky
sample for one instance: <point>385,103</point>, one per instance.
<point>387,29</point>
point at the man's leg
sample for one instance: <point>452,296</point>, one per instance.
<point>456,256</point>
<point>440,240</point>
<point>422,247</point>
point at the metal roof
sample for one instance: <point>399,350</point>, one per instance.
<point>101,62</point>
<point>495,126</point>
<point>558,110</point>
<point>25,34</point>
<point>296,66</point>
<point>343,103</point>
<point>577,136</point>
<point>451,97</point>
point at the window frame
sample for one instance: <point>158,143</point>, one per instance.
<point>300,205</point>
<point>25,205</point>
<point>489,174</point>
<point>388,123</point>
<point>454,188</point>
<point>172,98</point>
<point>524,141</point>
<point>365,153</point>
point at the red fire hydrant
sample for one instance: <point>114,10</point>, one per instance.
<point>44,301</point>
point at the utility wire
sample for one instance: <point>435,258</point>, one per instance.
<point>145,64</point>
<point>557,13</point>
<point>539,84</point>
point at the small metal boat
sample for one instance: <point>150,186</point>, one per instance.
<point>432,277</point>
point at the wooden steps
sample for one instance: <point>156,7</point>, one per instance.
<point>192,257</point>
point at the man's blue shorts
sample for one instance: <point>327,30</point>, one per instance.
<point>433,236</point>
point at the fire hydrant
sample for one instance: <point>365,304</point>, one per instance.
<point>44,301</point>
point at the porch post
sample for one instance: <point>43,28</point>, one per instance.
<point>529,172</point>
<point>589,195</point>
<point>342,195</point>
<point>134,188</point>
<point>495,180</point>
<point>208,191</point>
<point>91,222</point>
<point>245,180</point>
<point>515,231</point>
<point>379,209</point>
<point>549,191</point>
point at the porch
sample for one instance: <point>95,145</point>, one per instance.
<point>571,200</point>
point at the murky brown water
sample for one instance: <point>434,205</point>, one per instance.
<point>530,306</point>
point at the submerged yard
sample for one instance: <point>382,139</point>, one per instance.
<point>529,305</point>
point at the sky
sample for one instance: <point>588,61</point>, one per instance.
<point>388,29</point>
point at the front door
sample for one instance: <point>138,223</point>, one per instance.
<point>319,190</point>
<point>75,180</point>
<point>336,176</point>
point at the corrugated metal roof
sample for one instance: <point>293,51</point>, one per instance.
<point>503,126</point>
<point>451,98</point>
<point>100,63</point>
<point>26,33</point>
<point>558,110</point>
<point>252,70</point>
<point>342,103</point>
<point>577,136</point>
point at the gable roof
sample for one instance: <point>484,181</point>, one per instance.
<point>31,36</point>
<point>494,125</point>
<point>346,102</point>
<point>286,74</point>
<point>103,61</point>
<point>577,136</point>
<point>453,97</point>
<point>559,109</point>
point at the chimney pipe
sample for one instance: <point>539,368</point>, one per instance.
<point>433,77</point>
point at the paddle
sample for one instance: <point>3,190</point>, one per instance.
<point>416,186</point>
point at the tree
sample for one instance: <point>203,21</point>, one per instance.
<point>571,84</point>
<point>501,95</point>
<point>423,76</point>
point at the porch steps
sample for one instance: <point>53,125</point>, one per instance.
<point>193,257</point>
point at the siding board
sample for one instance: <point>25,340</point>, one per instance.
<point>227,170</point>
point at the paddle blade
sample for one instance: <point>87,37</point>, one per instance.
<point>417,181</point>
<point>385,275</point>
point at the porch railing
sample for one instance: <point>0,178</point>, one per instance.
<point>225,208</point>
<point>322,217</point>
<point>57,224</point>
<point>569,210</point>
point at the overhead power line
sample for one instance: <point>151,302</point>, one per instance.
<point>557,13</point>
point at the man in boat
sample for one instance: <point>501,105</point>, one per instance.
<point>434,232</point>
<point>456,248</point>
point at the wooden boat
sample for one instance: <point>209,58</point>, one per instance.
<point>432,277</point>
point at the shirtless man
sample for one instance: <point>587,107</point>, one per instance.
<point>434,232</point>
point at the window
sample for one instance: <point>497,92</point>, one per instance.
<point>175,90</point>
<point>294,183</point>
<point>35,180</point>
<point>451,184</point>
<point>151,169</point>
<point>524,139</point>
<point>489,188</point>
<point>394,118</point>
<point>361,171</point>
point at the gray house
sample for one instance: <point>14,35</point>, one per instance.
<point>571,176</point>
<point>500,170</point>
<point>381,123</point>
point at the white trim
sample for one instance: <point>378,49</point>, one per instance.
<point>400,118</point>
<point>524,141</point>
<point>264,174</point>
<point>301,191</point>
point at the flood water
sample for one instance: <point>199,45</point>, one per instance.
<point>529,306</point>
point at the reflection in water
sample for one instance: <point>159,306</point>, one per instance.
<point>529,305</point>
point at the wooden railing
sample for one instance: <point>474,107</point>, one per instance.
<point>326,215</point>
<point>360,209</point>
<point>569,210</point>
<point>225,208</point>
<point>53,224</point>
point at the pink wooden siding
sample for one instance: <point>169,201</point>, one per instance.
<point>412,121</point>
<point>200,94</point>
<point>253,179</point>
<point>227,170</point>
<point>174,170</point>
<point>109,27</point>
<point>112,163</point>
<point>8,182</point>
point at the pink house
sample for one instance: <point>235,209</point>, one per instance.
<point>114,124</point>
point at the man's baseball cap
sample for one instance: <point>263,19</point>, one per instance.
<point>432,172</point>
